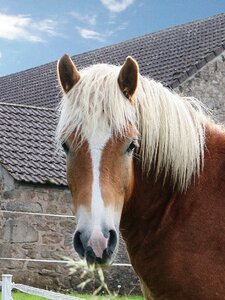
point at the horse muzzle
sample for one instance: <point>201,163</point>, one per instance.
<point>99,248</point>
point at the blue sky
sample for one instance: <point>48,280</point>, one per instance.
<point>35,32</point>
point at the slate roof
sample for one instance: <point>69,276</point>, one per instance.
<point>170,56</point>
<point>27,148</point>
<point>27,145</point>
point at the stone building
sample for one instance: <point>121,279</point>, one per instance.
<point>36,217</point>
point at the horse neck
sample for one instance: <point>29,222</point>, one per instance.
<point>146,208</point>
<point>155,202</point>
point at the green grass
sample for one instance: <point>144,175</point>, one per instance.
<point>23,296</point>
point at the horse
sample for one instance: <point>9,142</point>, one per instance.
<point>151,163</point>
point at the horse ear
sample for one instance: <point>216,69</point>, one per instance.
<point>67,73</point>
<point>128,77</point>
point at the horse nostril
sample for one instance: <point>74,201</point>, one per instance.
<point>98,248</point>
<point>78,244</point>
<point>112,241</point>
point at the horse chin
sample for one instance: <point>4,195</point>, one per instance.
<point>104,262</point>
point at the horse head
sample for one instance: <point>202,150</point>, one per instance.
<point>99,138</point>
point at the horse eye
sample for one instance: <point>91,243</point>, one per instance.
<point>132,146</point>
<point>65,147</point>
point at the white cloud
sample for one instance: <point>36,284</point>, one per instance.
<point>85,18</point>
<point>116,6</point>
<point>87,33</point>
<point>22,27</point>
<point>0,54</point>
<point>91,34</point>
<point>48,26</point>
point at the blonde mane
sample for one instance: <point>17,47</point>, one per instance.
<point>171,127</point>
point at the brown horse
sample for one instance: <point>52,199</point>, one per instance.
<point>151,162</point>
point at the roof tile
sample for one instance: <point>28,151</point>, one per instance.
<point>27,145</point>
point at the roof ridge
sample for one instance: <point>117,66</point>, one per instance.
<point>197,66</point>
<point>28,106</point>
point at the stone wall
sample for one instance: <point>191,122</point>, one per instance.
<point>45,237</point>
<point>208,85</point>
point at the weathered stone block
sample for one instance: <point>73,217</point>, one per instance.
<point>208,85</point>
<point>7,180</point>
<point>27,246</point>
<point>32,253</point>
<point>46,254</point>
<point>52,209</point>
<point>42,227</point>
<point>8,195</point>
<point>26,207</point>
<point>15,265</point>
<point>68,225</point>
<point>41,265</point>
<point>53,196</point>
<point>52,238</point>
<point>68,240</point>
<point>5,250</point>
<point>46,272</point>
<point>16,231</point>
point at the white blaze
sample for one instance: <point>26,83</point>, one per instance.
<point>97,240</point>
<point>96,145</point>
